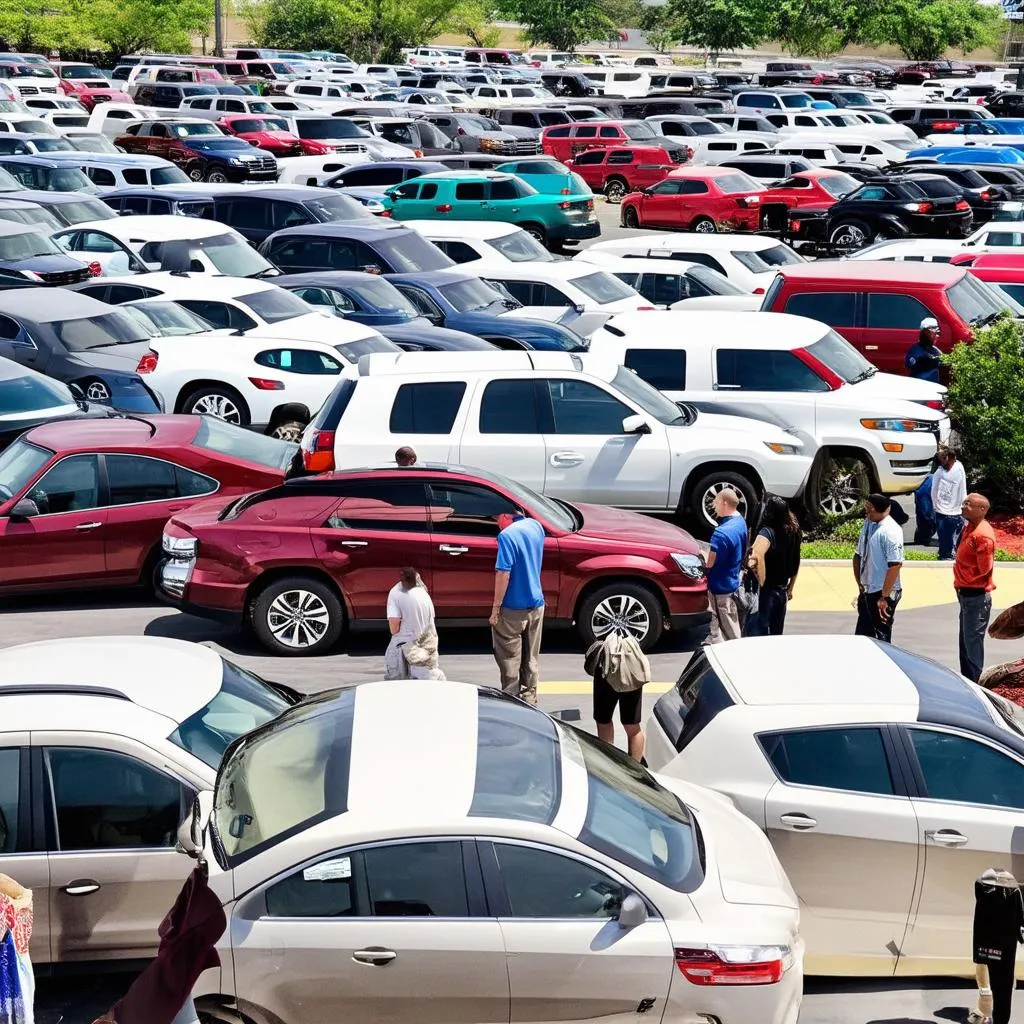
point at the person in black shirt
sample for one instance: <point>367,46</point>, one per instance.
<point>775,558</point>
<point>923,359</point>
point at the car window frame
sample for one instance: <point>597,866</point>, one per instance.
<point>101,484</point>
<point>107,492</point>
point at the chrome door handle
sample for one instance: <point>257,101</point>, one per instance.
<point>355,543</point>
<point>374,957</point>
<point>88,526</point>
<point>453,549</point>
<point>798,821</point>
<point>947,837</point>
<point>81,887</point>
<point>566,459</point>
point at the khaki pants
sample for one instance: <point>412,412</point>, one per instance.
<point>726,617</point>
<point>516,642</point>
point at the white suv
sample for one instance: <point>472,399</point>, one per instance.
<point>602,436</point>
<point>866,430</point>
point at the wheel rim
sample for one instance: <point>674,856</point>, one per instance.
<point>217,405</point>
<point>704,227</point>
<point>196,174</point>
<point>849,235</point>
<point>298,618</point>
<point>218,176</point>
<point>97,391</point>
<point>630,219</point>
<point>537,233</point>
<point>288,432</point>
<point>614,192</point>
<point>844,486</point>
<point>708,501</point>
<point>621,612</point>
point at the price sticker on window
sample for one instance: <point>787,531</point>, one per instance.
<point>329,871</point>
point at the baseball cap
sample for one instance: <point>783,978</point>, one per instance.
<point>929,323</point>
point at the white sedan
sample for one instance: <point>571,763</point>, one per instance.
<point>438,845</point>
<point>886,783</point>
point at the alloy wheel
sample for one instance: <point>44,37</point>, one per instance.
<point>196,174</point>
<point>97,391</point>
<point>614,191</point>
<point>708,501</point>
<point>705,226</point>
<point>217,177</point>
<point>298,618</point>
<point>844,485</point>
<point>621,612</point>
<point>849,236</point>
<point>217,405</point>
<point>289,431</point>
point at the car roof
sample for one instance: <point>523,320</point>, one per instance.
<point>465,175</point>
<point>468,362</point>
<point>158,227</point>
<point>60,304</point>
<point>714,327</point>
<point>708,243</point>
<point>462,228</point>
<point>703,171</point>
<point>367,228</point>
<point>564,270</point>
<point>193,284</point>
<point>115,432</point>
<point>937,275</point>
<point>11,227</point>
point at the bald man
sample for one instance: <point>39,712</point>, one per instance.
<point>972,578</point>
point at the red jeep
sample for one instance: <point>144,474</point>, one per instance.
<point>619,170</point>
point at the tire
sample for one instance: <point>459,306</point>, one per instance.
<point>288,430</point>
<point>195,172</point>
<point>839,485</point>
<point>630,218</point>
<point>221,401</point>
<point>537,231</point>
<point>630,604</point>
<point>705,489</point>
<point>297,616</point>
<point>703,226</point>
<point>149,580</point>
<point>849,235</point>
<point>96,390</point>
<point>216,176</point>
<point>615,190</point>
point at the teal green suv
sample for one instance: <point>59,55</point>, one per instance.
<point>546,174</point>
<point>554,220</point>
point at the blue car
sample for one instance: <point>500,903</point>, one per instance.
<point>992,126</point>
<point>969,154</point>
<point>462,302</point>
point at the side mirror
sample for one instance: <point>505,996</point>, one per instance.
<point>24,509</point>
<point>633,911</point>
<point>635,425</point>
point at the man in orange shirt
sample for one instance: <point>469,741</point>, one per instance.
<point>972,578</point>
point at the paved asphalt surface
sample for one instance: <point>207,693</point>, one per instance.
<point>466,656</point>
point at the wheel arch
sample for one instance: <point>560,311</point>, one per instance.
<point>195,385</point>
<point>289,411</point>
<point>269,576</point>
<point>812,511</point>
<point>636,579</point>
<point>717,466</point>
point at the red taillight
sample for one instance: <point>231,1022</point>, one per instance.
<point>936,403</point>
<point>644,309</point>
<point>319,456</point>
<point>147,364</point>
<point>266,384</point>
<point>460,131</point>
<point>384,213</point>
<point>706,967</point>
<point>945,126</point>
<point>689,152</point>
<point>962,204</point>
<point>760,291</point>
<point>748,200</point>
<point>443,208</point>
<point>589,205</point>
<point>566,192</point>
<point>95,269</point>
<point>565,206</point>
<point>986,195</point>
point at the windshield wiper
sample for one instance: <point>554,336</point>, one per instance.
<point>864,374</point>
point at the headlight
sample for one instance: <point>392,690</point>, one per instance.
<point>900,425</point>
<point>782,449</point>
<point>236,161</point>
<point>486,145</point>
<point>180,547</point>
<point>690,565</point>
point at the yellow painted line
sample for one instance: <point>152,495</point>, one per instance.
<point>577,686</point>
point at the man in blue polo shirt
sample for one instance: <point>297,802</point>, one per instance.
<point>724,563</point>
<point>517,616</point>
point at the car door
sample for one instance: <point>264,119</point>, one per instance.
<point>837,309</point>
<point>589,458</point>
<point>568,957</point>
<point>158,140</point>
<point>409,202</point>
<point>65,541</point>
<point>970,813</point>
<point>840,799</point>
<point>892,325</point>
<point>464,536</point>
<point>17,344</point>
<point>382,935</point>
<point>376,529</point>
<point>114,807</point>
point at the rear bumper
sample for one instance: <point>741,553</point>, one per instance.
<point>575,232</point>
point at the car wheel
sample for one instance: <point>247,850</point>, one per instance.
<point>630,607</point>
<point>704,226</point>
<point>297,616</point>
<point>288,430</point>
<point>217,177</point>
<point>195,172</point>
<point>222,402</point>
<point>702,498</point>
<point>537,231</point>
<point>630,218</point>
<point>841,485</point>
<point>615,189</point>
<point>96,391</point>
<point>850,235</point>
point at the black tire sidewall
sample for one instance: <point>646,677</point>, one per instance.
<point>261,603</point>
<point>245,417</point>
<point>635,590</point>
<point>734,480</point>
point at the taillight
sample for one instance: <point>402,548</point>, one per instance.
<point>644,309</point>
<point>565,206</point>
<point>147,364</point>
<point>566,192</point>
<point>945,126</point>
<point>962,204</point>
<point>986,195</point>
<point>318,457</point>
<point>918,207</point>
<point>760,291</point>
<point>935,403</point>
<point>689,152</point>
<point>95,269</point>
<point>748,200</point>
<point>266,384</point>
<point>443,208</point>
<point>734,965</point>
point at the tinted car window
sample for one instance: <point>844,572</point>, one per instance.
<point>961,769</point>
<point>416,880</point>
<point>509,407</point>
<point>663,369</point>
<point>132,479</point>
<point>324,889</point>
<point>470,190</point>
<point>70,486</point>
<point>757,370</point>
<point>458,251</point>
<point>381,505</point>
<point>465,508</point>
<point>10,798</point>
<point>848,759</point>
<point>895,312</point>
<point>426,408</point>
<point>298,360</point>
<point>582,408</point>
<point>107,801</point>
<point>837,309</point>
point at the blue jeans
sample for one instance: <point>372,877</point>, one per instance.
<point>975,611</point>
<point>925,513</point>
<point>949,534</point>
<point>770,618</point>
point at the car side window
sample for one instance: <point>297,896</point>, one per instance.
<point>460,252</point>
<point>381,505</point>
<point>423,302</point>
<point>666,188</point>
<point>590,156</point>
<point>101,176</point>
<point>466,509</point>
<point>298,360</point>
<point>10,798</point>
<point>764,370</point>
<point>73,485</point>
<point>895,311</point>
<point>664,369</point>
<point>470,190</point>
<point>702,258</point>
<point>851,759</point>
<point>580,407</point>
<point>837,309</point>
<point>324,889</point>
<point>287,215</point>
<point>509,407</point>
<point>132,479</point>
<point>220,314</point>
<point>416,880</point>
<point>106,801</point>
<point>428,408</point>
<point>693,188</point>
<point>966,771</point>
<point>545,884</point>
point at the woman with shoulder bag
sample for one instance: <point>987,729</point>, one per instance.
<point>775,560</point>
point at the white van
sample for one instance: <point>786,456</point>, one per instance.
<point>629,83</point>
<point>818,150</point>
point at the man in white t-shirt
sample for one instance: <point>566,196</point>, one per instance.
<point>949,491</point>
<point>410,614</point>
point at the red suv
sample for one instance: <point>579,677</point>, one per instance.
<point>701,199</point>
<point>619,170</point>
<point>301,562</point>
<point>83,502</point>
<point>564,141</point>
<point>267,133</point>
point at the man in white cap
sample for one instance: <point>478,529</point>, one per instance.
<point>923,358</point>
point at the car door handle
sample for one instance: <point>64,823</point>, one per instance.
<point>453,549</point>
<point>566,459</point>
<point>797,820</point>
<point>355,543</point>
<point>81,887</point>
<point>375,957</point>
<point>88,526</point>
<point>947,837</point>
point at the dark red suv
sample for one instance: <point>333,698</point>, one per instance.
<point>83,502</point>
<point>619,170</point>
<point>303,561</point>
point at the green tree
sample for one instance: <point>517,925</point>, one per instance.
<point>719,25</point>
<point>473,20</point>
<point>925,29</point>
<point>660,27</point>
<point>126,26</point>
<point>560,24</point>
<point>820,28</point>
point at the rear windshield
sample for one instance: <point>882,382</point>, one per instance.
<point>275,305</point>
<point>698,696</point>
<point>92,332</point>
<point>933,188</point>
<point>518,246</point>
<point>353,351</point>
<point>411,252</point>
<point>767,259</point>
<point>85,210</point>
<point>217,436</point>
<point>470,295</point>
<point>730,184</point>
<point>976,303</point>
<point>329,128</point>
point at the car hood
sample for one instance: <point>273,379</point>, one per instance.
<point>278,138</point>
<point>213,144</point>
<point>521,131</point>
<point>891,385</point>
<point>415,331</point>
<point>54,264</point>
<point>741,303</point>
<point>501,136</point>
<point>747,431</point>
<point>122,358</point>
<point>630,528</point>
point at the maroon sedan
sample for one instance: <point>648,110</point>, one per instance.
<point>302,561</point>
<point>83,502</point>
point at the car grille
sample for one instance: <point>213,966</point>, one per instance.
<point>348,147</point>
<point>527,147</point>
<point>261,165</point>
<point>67,276</point>
<point>28,90</point>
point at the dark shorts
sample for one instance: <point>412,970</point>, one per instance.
<point>605,698</point>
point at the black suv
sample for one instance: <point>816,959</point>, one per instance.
<point>1006,104</point>
<point>984,197</point>
<point>931,118</point>
<point>918,206</point>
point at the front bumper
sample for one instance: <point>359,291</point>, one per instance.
<point>239,174</point>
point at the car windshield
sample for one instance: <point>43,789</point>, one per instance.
<point>85,210</point>
<point>652,401</point>
<point>91,332</point>
<point>976,303</point>
<point>471,295</point>
<point>382,296</point>
<point>932,188</point>
<point>258,124</point>
<point>184,131</point>
<point>736,182</point>
<point>603,287</point>
<point>231,255</point>
<point>639,131</point>
<point>838,185</point>
<point>713,281</point>
<point>19,463</point>
<point>66,179</point>
<point>836,353</point>
<point>519,245</point>
<point>217,436</point>
<point>25,246</point>
<point>410,253</point>
<point>30,71</point>
<point>329,128</point>
<point>168,319</point>
<point>81,71</point>
<point>244,702</point>
<point>631,817</point>
<point>763,260</point>
<point>275,304</point>
<point>336,207</point>
<point>53,146</point>
<point>35,215</point>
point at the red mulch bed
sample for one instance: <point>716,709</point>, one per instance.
<point>1009,533</point>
